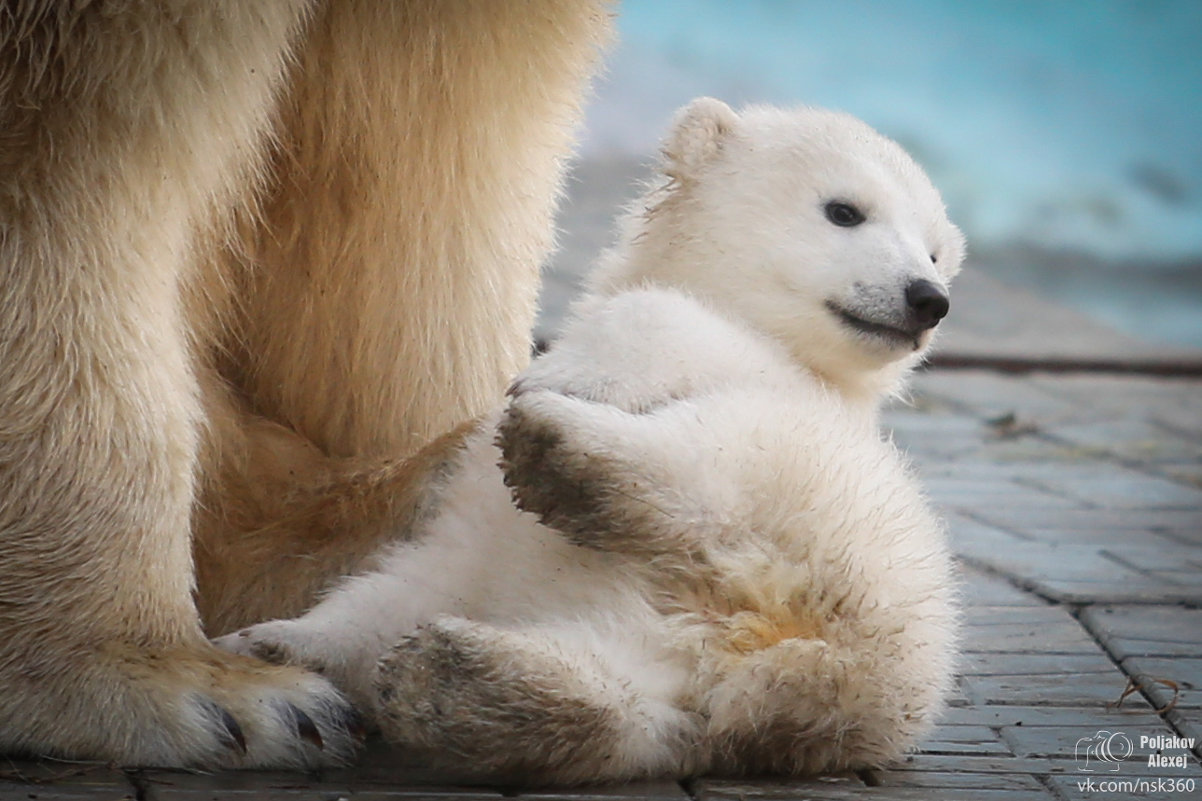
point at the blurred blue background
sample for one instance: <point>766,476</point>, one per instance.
<point>1066,135</point>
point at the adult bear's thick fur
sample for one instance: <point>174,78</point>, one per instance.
<point>254,256</point>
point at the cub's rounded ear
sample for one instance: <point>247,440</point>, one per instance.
<point>697,134</point>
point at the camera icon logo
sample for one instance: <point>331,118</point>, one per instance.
<point>1103,751</point>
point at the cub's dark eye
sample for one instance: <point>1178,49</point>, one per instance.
<point>934,259</point>
<point>843,215</point>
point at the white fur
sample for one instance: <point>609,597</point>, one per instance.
<point>738,574</point>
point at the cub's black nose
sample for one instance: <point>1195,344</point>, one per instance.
<point>927,303</point>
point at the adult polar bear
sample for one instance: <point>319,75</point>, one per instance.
<point>254,255</point>
<point>727,569</point>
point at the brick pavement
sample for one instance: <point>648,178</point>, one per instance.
<point>1075,504</point>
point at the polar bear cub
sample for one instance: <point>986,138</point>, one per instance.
<point>697,553</point>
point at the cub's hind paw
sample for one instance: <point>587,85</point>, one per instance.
<point>465,696</point>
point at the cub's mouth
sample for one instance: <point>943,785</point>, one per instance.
<point>890,335</point>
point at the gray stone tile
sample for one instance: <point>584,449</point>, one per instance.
<point>161,785</point>
<point>1067,572</point>
<point>1094,716</point>
<point>968,532</point>
<point>954,739</point>
<point>55,779</point>
<point>931,438</point>
<point>1173,402</point>
<point>1107,485</point>
<point>943,763</point>
<point>1131,439</point>
<point>1164,558</point>
<point>986,394</point>
<point>1046,630</point>
<point>978,588</point>
<point>957,780</point>
<point>1133,520</point>
<point>1165,631</point>
<point>1002,494</point>
<point>652,790</point>
<point>825,787</point>
<point>63,792</point>
<point>1095,690</point>
<point>1146,590</point>
<point>809,791</point>
<point>1103,536</point>
<point>1018,664</point>
<point>1186,674</point>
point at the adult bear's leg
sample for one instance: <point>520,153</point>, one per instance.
<point>125,134</point>
<point>392,279</point>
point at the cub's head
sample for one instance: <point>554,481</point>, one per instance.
<point>806,223</point>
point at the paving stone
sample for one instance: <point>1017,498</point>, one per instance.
<point>268,785</point>
<point>1132,440</point>
<point>656,791</point>
<point>970,524</point>
<point>1088,689</point>
<point>294,792</point>
<point>1070,573</point>
<point>1033,520</point>
<point>1185,673</point>
<point>1016,715</point>
<point>991,491</point>
<point>953,739</point>
<point>1131,491</point>
<point>966,531</point>
<point>944,763</point>
<point>1003,495</point>
<point>1184,471</point>
<point>824,787</point>
<point>1172,402</point>
<point>952,438</point>
<point>1142,590</point>
<point>1168,631</point>
<point>10,791</point>
<point>994,664</point>
<point>1104,537</point>
<point>958,780</point>
<point>54,779</point>
<point>1047,630</point>
<point>985,394</point>
<point>807,791</point>
<point>1163,558</point>
<point>978,588</point>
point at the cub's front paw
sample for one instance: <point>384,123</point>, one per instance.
<point>280,642</point>
<point>539,463</point>
<point>565,460</point>
<point>343,660</point>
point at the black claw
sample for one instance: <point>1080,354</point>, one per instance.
<point>233,730</point>
<point>233,738</point>
<point>354,724</point>
<point>306,729</point>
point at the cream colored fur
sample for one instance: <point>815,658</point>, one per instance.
<point>715,563</point>
<point>255,256</point>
